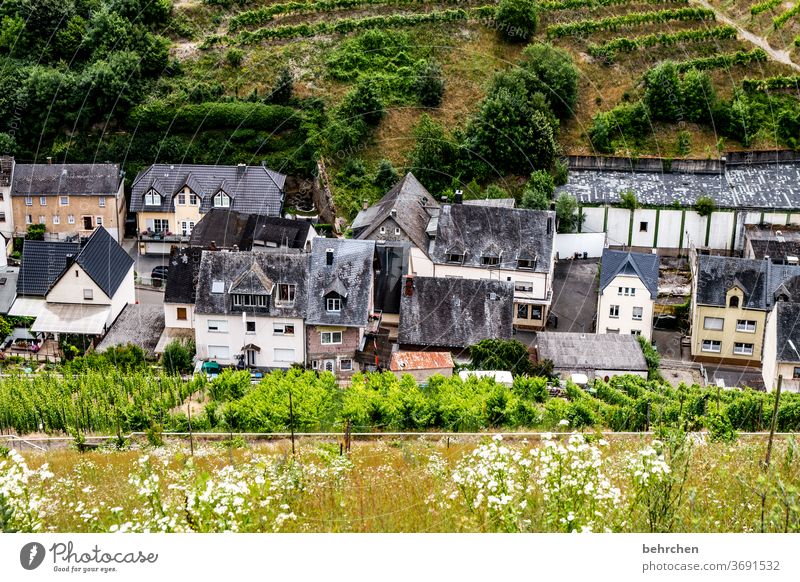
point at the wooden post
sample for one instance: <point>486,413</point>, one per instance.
<point>347,435</point>
<point>189,416</point>
<point>647,422</point>
<point>291,420</point>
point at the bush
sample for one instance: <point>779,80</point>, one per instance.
<point>567,213</point>
<point>498,354</point>
<point>652,357</point>
<point>698,95</point>
<point>435,155</point>
<point>538,191</point>
<point>553,74</point>
<point>516,19</point>
<point>627,199</point>
<point>428,85</point>
<point>386,176</point>
<point>35,232</point>
<point>663,92</point>
<point>704,205</point>
<point>234,57</point>
<point>178,356</point>
<point>364,102</point>
<point>283,90</point>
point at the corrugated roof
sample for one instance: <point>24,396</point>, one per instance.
<point>644,266</point>
<point>67,179</point>
<point>590,351</point>
<point>404,361</point>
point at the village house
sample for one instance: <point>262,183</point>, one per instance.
<point>170,200</point>
<point>69,199</point>
<point>421,365</point>
<point>71,288</point>
<point>628,290</point>
<point>585,356</point>
<point>180,292</point>
<point>778,243</point>
<point>340,312</point>
<point>782,344</point>
<point>250,308</point>
<point>453,314</point>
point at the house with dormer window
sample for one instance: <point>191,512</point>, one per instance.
<point>628,291</point>
<point>340,301</point>
<point>169,200</point>
<point>250,307</point>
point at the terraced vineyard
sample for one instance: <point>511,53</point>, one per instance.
<point>777,21</point>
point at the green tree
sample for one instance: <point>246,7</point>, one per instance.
<point>494,192</point>
<point>69,39</point>
<point>283,90</point>
<point>698,95</point>
<point>234,57</point>
<point>178,356</point>
<point>627,199</point>
<point>554,74</point>
<point>35,232</point>
<point>5,328</point>
<point>428,85</point>
<point>501,354</point>
<point>705,205</point>
<point>600,133</point>
<point>435,154</point>
<point>8,145</point>
<point>12,34</point>
<point>386,176</point>
<point>538,191</point>
<point>663,92</point>
<point>364,102</point>
<point>516,19</point>
<point>567,213</point>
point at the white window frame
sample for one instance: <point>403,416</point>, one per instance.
<point>331,336</point>
<point>397,231</point>
<point>42,200</point>
<point>523,286</point>
<point>349,367</point>
<point>222,200</point>
<point>70,219</point>
<point>101,201</point>
<point>28,219</point>
<point>743,349</point>
<point>743,325</point>
<point>160,225</point>
<point>152,198</point>
<point>637,316</point>
<point>193,199</point>
<point>217,326</point>
<point>288,289</point>
<point>88,295</point>
<point>383,230</point>
<point>288,354</point>
<point>42,219</point>
<point>613,311</point>
<point>56,219</point>
<point>714,346</point>
<point>28,200</point>
<point>333,304</point>
<point>636,332</point>
<point>709,320</point>
<point>247,324</point>
<point>98,221</point>
<point>181,199</point>
<point>63,200</point>
<point>281,329</point>
<point>219,352</point>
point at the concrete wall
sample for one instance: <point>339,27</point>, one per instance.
<point>769,367</point>
<point>419,263</point>
<point>567,244</point>
<point>625,323</point>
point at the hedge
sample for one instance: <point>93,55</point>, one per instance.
<point>723,61</point>
<point>609,49</point>
<point>215,115</point>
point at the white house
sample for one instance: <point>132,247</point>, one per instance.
<point>628,290</point>
<point>781,356</point>
<point>250,308</point>
<point>6,210</point>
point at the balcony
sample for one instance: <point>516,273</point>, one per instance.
<point>162,236</point>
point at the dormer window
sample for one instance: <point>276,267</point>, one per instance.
<point>455,257</point>
<point>333,304</point>
<point>526,263</point>
<point>222,200</point>
<point>247,300</point>
<point>152,198</point>
<point>286,293</point>
<point>489,261</point>
<point>733,301</point>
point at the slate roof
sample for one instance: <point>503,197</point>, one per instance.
<point>413,204</point>
<point>775,249</point>
<point>8,288</point>
<point>788,329</point>
<point>590,351</point>
<point>352,270</point>
<point>42,265</point>
<point>509,233</point>
<point>281,232</point>
<point>642,265</point>
<point>253,189</point>
<point>140,325</point>
<point>455,313</point>
<point>6,170</point>
<point>184,266</point>
<point>242,267</point>
<point>105,261</point>
<point>225,228</point>
<point>493,202</point>
<point>775,185</point>
<point>716,275</point>
<point>71,179</point>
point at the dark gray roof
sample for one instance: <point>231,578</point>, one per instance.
<point>282,232</point>
<point>716,275</point>
<point>454,313</point>
<point>105,261</point>
<point>644,266</point>
<point>765,185</point>
<point>6,170</point>
<point>351,271</point>
<point>775,249</point>
<point>788,329</point>
<point>184,266</point>
<point>507,233</point>
<point>71,179</point>
<point>591,351</point>
<point>249,271</point>
<point>42,265</point>
<point>140,325</point>
<point>413,206</point>
<point>225,228</point>
<point>253,189</point>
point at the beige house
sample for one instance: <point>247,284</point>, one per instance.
<point>628,290</point>
<point>69,199</point>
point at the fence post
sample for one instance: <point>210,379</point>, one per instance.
<point>189,416</point>
<point>291,420</point>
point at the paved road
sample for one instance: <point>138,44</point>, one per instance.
<point>575,294</point>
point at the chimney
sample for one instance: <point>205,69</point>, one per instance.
<point>549,224</point>
<point>212,246</point>
<point>49,160</point>
<point>329,257</point>
<point>459,197</point>
<point>393,212</point>
<point>235,248</point>
<point>364,204</point>
<point>240,168</point>
<point>444,199</point>
<point>409,289</point>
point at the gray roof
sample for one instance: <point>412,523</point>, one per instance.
<point>774,249</point>
<point>455,313</point>
<point>225,228</point>
<point>184,266</point>
<point>42,265</point>
<point>253,272</point>
<point>413,206</point>
<point>105,261</point>
<point>253,189</point>
<point>788,329</point>
<point>760,280</point>
<point>590,351</point>
<point>140,325</point>
<point>351,272</point>
<point>8,288</point>
<point>67,179</point>
<point>759,186</point>
<point>642,265</point>
<point>493,202</point>
<point>507,233</point>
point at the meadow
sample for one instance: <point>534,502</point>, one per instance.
<point>675,482</point>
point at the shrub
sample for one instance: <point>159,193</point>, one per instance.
<point>663,92</point>
<point>435,155</point>
<point>704,205</point>
<point>428,85</point>
<point>364,102</point>
<point>698,95</point>
<point>386,176</point>
<point>282,91</point>
<point>627,199</point>
<point>652,357</point>
<point>498,354</point>
<point>234,57</point>
<point>178,356</point>
<point>567,213</point>
<point>35,232</point>
<point>554,74</point>
<point>538,191</point>
<point>516,19</point>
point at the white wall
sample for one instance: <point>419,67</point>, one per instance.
<point>644,238</point>
<point>69,288</point>
<point>236,337</point>
<point>567,244</point>
<point>618,225</point>
<point>770,351</point>
<point>625,322</point>
<point>171,315</point>
<point>541,282</point>
<point>126,294</point>
<point>419,263</point>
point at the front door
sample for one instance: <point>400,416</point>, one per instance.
<point>329,365</point>
<point>87,223</point>
<point>251,358</point>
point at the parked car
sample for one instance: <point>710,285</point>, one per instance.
<point>160,272</point>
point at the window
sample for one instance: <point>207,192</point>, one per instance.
<point>383,230</point>
<point>63,200</point>
<point>181,314</point>
<point>626,291</point>
<point>455,258</point>
<point>283,329</point>
<point>222,200</point>
<point>742,349</point>
<point>71,219</point>
<point>333,304</point>
<point>2,216</point>
<point>638,312</point>
<point>87,223</point>
<point>330,338</point>
<point>42,200</point>
<point>613,311</point>
<point>193,199</point>
<point>522,311</point>
<point>315,364</point>
<point>28,201</point>
<point>536,311</point>
<point>218,286</point>
<point>523,286</point>
<point>734,301</point>
<point>712,346</point>
<point>747,325</point>
<point>186,227</point>
<point>286,292</point>
<point>101,201</point>
<point>181,199</point>
<point>490,261</point>
<point>56,219</point>
<point>643,226</point>
<point>397,231</point>
<point>42,219</point>
<point>796,374</point>
<point>636,332</point>
<point>218,325</point>
<point>88,294</point>
<point>98,220</point>
<point>152,198</point>
<point>715,323</point>
<point>243,300</point>
<point>612,330</point>
<point>250,326</point>
<point>28,219</point>
<point>524,264</point>
<point>284,355</point>
<point>345,365</point>
<point>219,352</point>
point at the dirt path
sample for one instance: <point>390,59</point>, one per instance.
<point>776,55</point>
